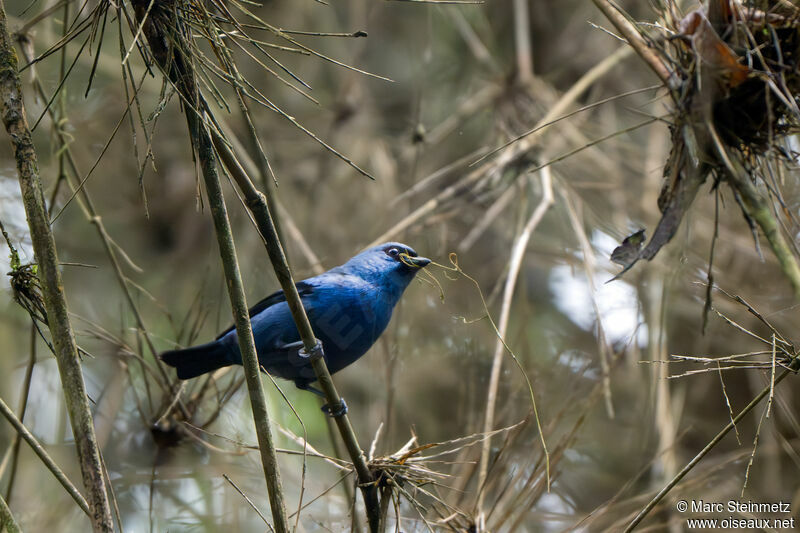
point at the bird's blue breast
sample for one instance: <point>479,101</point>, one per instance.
<point>347,313</point>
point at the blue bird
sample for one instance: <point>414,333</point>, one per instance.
<point>348,306</point>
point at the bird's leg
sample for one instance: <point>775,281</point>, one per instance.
<point>339,410</point>
<point>315,353</point>
<point>292,346</point>
<point>309,388</point>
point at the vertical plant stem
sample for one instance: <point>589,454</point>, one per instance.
<point>522,41</point>
<point>66,351</point>
<point>264,172</point>
<point>258,206</point>
<point>7,522</point>
<point>258,401</point>
<point>177,67</point>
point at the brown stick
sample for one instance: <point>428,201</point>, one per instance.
<point>636,41</point>
<point>48,461</point>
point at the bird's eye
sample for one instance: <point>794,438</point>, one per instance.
<point>392,252</point>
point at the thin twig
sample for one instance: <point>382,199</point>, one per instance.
<point>257,205</point>
<point>636,41</point>
<point>513,152</point>
<point>7,522</point>
<point>702,453</point>
<point>753,453</point>
<point>249,501</point>
<point>728,402</point>
<point>49,463</point>
<point>515,263</point>
<point>771,378</point>
<point>23,407</point>
<point>589,268</point>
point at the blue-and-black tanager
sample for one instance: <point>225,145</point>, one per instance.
<point>349,306</point>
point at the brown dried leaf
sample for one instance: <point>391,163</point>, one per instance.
<point>711,49</point>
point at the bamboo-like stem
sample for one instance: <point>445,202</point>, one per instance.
<point>48,461</point>
<point>177,67</point>
<point>757,207</point>
<point>522,41</point>
<point>7,522</point>
<point>515,263</point>
<point>66,351</point>
<point>249,168</point>
<point>257,204</point>
<point>258,401</point>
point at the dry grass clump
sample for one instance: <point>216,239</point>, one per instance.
<point>752,55</point>
<point>732,71</point>
<point>25,285</point>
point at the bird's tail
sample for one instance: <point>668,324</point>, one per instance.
<point>192,362</point>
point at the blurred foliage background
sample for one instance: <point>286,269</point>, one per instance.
<point>617,421</point>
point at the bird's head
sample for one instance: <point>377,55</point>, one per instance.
<point>390,263</point>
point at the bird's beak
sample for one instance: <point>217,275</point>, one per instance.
<point>416,262</point>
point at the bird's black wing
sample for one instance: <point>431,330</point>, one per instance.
<point>303,288</point>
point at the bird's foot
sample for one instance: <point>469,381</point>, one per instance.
<point>337,410</point>
<point>313,354</point>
